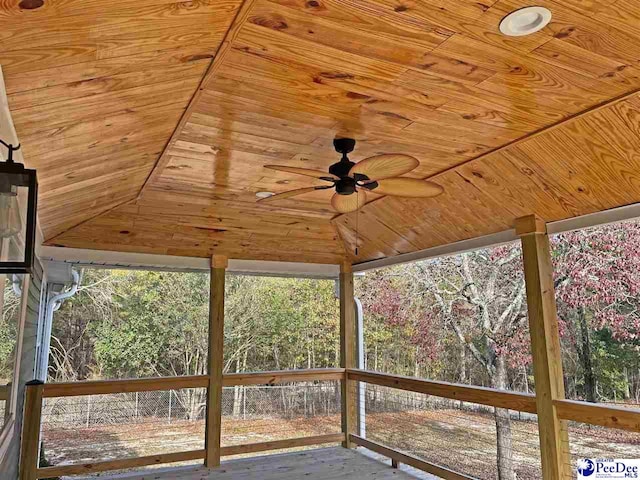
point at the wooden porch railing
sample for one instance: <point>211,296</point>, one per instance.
<point>522,402</point>
<point>549,404</point>
<point>484,396</point>
<point>594,414</point>
<point>36,392</point>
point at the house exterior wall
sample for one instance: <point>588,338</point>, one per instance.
<point>9,465</point>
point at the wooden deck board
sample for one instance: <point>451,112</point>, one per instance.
<point>334,463</point>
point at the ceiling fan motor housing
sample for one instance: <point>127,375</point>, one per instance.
<point>346,186</point>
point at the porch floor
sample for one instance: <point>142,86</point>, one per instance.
<point>334,463</point>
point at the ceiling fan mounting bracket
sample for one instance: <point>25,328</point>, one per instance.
<point>360,177</point>
<point>369,185</point>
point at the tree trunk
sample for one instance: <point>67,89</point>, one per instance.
<point>584,353</point>
<point>244,388</point>
<point>237,394</point>
<point>526,378</point>
<point>375,358</point>
<point>463,365</point>
<point>503,426</point>
<point>627,384</point>
<point>463,369</point>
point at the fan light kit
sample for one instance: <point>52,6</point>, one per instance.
<point>525,21</point>
<point>351,181</point>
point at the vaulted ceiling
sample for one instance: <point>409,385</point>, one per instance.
<point>149,122</point>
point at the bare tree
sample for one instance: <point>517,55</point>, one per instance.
<point>480,297</point>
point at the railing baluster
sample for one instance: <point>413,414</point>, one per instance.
<point>29,457</point>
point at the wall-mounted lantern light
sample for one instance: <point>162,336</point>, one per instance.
<point>18,203</point>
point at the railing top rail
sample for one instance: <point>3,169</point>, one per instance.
<point>598,414</point>
<point>271,378</point>
<point>101,387</point>
<point>523,402</point>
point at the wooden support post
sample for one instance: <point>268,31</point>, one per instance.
<point>348,352</point>
<point>545,347</point>
<point>216,360</point>
<point>30,446</point>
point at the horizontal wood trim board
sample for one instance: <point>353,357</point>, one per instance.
<point>79,469</point>
<point>100,387</point>
<point>597,414</point>
<point>62,470</point>
<point>272,378</point>
<point>281,444</point>
<point>485,396</point>
<point>411,460</point>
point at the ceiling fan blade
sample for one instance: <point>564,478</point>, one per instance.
<point>407,187</point>
<point>385,166</point>
<point>348,203</point>
<point>304,171</point>
<point>291,193</point>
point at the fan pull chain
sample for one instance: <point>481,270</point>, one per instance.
<point>357,217</point>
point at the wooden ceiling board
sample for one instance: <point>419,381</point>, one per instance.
<point>623,14</point>
<point>74,209</point>
<point>370,32</point>
<point>586,165</point>
<point>183,227</point>
<point>82,73</point>
<point>96,89</point>
<point>74,32</point>
<point>483,113</point>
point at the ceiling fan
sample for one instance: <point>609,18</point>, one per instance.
<point>379,174</point>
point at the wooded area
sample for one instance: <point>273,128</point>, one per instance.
<point>461,319</point>
<point>125,324</point>
<point>464,318</point>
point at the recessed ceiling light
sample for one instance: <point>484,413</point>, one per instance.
<point>525,21</point>
<point>264,194</point>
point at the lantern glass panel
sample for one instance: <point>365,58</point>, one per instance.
<point>13,220</point>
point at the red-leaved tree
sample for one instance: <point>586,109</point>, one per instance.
<point>597,282</point>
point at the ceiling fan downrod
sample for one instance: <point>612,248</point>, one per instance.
<point>341,168</point>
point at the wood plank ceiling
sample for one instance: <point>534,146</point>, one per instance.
<point>507,125</point>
